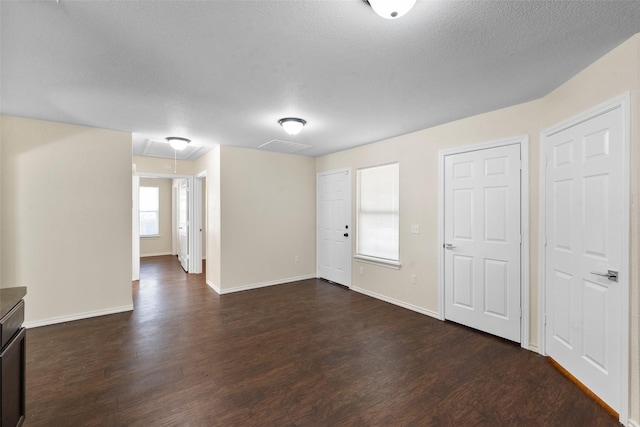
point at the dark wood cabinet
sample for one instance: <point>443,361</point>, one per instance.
<point>12,357</point>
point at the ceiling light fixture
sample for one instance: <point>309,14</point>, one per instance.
<point>292,125</point>
<point>178,143</point>
<point>391,9</point>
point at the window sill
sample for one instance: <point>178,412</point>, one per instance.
<point>150,236</point>
<point>379,261</point>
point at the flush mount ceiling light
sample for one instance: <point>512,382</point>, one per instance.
<point>292,125</point>
<point>391,9</point>
<point>177,143</point>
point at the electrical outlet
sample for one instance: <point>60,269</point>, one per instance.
<point>415,228</point>
<point>296,259</point>
<point>414,279</point>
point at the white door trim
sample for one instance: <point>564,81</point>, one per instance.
<point>198,202</point>
<point>624,102</point>
<point>195,219</point>
<point>523,141</point>
<point>193,262</point>
<point>349,214</point>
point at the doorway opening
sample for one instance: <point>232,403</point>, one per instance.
<point>189,254</point>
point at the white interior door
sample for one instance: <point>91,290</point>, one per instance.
<point>334,226</point>
<point>183,224</point>
<point>584,222</point>
<point>482,232</point>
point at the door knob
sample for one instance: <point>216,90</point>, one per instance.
<point>449,246</point>
<point>610,274</point>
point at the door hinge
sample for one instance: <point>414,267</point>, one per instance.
<point>545,240</point>
<point>545,319</point>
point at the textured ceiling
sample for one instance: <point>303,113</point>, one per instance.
<point>224,72</point>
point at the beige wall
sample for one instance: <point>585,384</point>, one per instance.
<point>204,219</point>
<point>66,218</point>
<point>165,166</point>
<point>210,163</point>
<point>2,285</point>
<point>162,244</point>
<point>267,205</point>
<point>614,74</point>
<point>417,154</point>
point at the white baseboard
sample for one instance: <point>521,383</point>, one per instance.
<point>633,423</point>
<point>265,284</point>
<point>155,254</point>
<point>77,316</point>
<point>213,286</point>
<point>399,303</point>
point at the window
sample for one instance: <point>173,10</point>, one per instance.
<point>149,202</point>
<point>378,232</point>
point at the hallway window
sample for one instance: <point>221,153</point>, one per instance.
<point>379,214</point>
<point>149,202</point>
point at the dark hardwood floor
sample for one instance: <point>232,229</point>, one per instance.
<point>302,354</point>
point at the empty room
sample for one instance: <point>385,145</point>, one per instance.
<point>347,212</point>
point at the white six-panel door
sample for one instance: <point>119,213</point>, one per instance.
<point>482,233</point>
<point>334,226</point>
<point>584,219</point>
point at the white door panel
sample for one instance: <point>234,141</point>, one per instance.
<point>482,235</point>
<point>584,204</point>
<point>334,231</point>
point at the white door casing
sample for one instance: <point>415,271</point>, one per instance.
<point>482,240</point>
<point>198,219</point>
<point>183,224</point>
<point>586,234</point>
<point>334,231</point>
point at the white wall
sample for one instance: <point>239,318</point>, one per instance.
<point>417,153</point>
<point>66,218</point>
<point>161,244</point>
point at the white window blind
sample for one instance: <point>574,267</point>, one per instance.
<point>379,213</point>
<point>149,203</point>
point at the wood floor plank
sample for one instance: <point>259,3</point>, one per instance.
<point>301,354</point>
